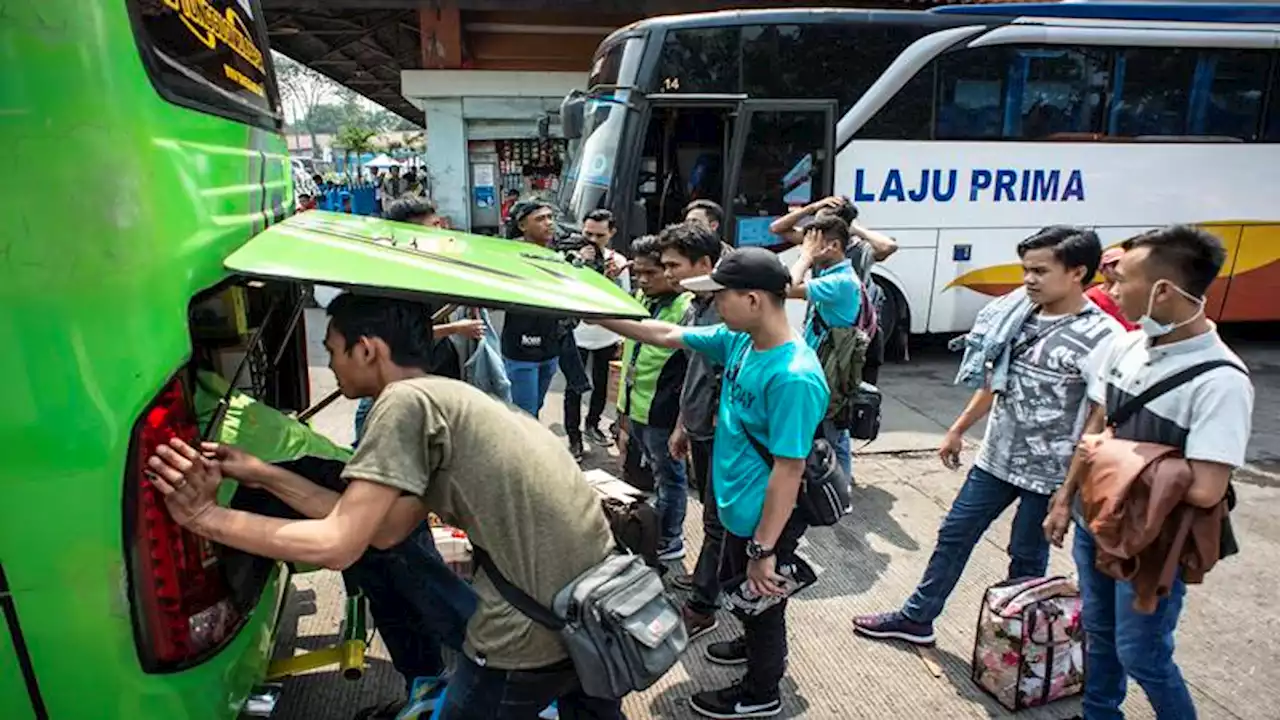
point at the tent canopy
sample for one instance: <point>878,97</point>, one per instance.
<point>382,161</point>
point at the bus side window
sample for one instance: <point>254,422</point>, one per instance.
<point>1187,92</point>
<point>1271,128</point>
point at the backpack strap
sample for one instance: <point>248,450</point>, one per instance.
<point>1127,409</point>
<point>518,598</point>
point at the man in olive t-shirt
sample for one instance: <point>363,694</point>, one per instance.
<point>430,444</point>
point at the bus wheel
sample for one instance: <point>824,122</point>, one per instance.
<point>895,323</point>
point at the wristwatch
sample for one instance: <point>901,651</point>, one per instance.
<point>756,551</point>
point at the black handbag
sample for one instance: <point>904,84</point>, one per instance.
<point>825,488</point>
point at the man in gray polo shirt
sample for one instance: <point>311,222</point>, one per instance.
<point>1160,284</point>
<point>692,250</point>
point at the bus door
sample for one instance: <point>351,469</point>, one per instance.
<point>782,158</point>
<point>684,154</point>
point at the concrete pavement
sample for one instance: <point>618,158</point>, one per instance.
<point>1227,641</point>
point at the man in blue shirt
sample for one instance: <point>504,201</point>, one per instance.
<point>834,295</point>
<point>774,389</point>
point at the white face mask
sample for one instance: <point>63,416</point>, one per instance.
<point>1155,329</point>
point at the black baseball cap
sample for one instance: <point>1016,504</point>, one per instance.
<point>750,268</point>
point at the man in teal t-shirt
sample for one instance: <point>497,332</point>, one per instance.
<point>834,295</point>
<point>773,388</point>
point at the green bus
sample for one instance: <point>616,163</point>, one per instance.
<point>147,233</point>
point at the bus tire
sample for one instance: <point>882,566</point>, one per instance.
<point>895,322</point>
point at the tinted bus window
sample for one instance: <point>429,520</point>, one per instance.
<point>971,94</point>
<point>607,66</point>
<point>909,113</point>
<point>700,60</point>
<point>820,61</point>
<point>1271,130</point>
<point>1228,91</point>
<point>1152,91</point>
<point>211,55</point>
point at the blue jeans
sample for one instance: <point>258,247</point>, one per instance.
<point>1124,643</point>
<point>669,480</point>
<point>839,440</point>
<point>417,602</point>
<point>981,500</point>
<point>530,382</point>
<point>488,693</point>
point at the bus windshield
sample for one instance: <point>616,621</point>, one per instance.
<point>592,163</point>
<point>593,158</point>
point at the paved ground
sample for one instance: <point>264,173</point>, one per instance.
<point>1227,641</point>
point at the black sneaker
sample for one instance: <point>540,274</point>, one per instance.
<point>894,626</point>
<point>733,652</point>
<point>576,449</point>
<point>596,437</point>
<point>734,702</point>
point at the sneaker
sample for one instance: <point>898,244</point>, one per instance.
<point>697,624</point>
<point>683,582</point>
<point>733,652</point>
<point>597,437</point>
<point>894,626</point>
<point>673,551</point>
<point>734,702</point>
<point>576,449</point>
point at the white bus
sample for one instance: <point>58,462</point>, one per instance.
<point>959,131</point>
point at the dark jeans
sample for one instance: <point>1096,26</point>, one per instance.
<point>1123,643</point>
<point>981,500</point>
<point>599,362</point>
<point>418,604</point>
<point>669,481</point>
<point>574,366</point>
<point>705,598</point>
<point>765,634</point>
<point>484,693</point>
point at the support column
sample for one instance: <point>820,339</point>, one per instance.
<point>441,33</point>
<point>447,159</point>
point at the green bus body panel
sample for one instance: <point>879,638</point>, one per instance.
<point>14,704</point>
<point>118,208</point>
<point>410,260</point>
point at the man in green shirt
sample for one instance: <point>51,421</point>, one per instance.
<point>649,394</point>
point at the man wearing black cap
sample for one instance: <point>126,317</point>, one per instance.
<point>759,352</point>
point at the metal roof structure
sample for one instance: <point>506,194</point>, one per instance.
<point>366,44</point>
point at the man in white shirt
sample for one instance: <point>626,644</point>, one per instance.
<point>1160,283</point>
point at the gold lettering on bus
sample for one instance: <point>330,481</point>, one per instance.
<point>204,22</point>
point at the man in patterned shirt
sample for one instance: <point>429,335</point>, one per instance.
<point>1032,432</point>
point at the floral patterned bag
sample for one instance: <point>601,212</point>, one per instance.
<point>1029,649</point>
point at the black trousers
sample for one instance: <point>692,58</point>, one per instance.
<point>706,573</point>
<point>597,363</point>
<point>765,634</point>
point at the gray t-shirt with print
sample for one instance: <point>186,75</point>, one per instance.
<point>1036,422</point>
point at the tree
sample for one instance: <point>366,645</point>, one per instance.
<point>354,139</point>
<point>303,90</point>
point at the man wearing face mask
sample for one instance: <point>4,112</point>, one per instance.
<point>1160,283</point>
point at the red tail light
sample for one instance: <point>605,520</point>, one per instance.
<point>182,604</point>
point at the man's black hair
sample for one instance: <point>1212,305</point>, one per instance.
<point>846,211</point>
<point>404,325</point>
<point>601,215</point>
<point>713,209</point>
<point>832,227</point>
<point>520,211</point>
<point>1072,246</point>
<point>647,246</point>
<point>407,209</point>
<point>1185,254</point>
<point>692,240</point>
